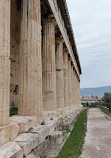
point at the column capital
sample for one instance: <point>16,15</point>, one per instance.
<point>50,18</point>
<point>59,39</point>
<point>66,50</point>
<point>69,57</point>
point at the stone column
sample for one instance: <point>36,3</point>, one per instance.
<point>30,90</point>
<point>49,69</point>
<point>4,61</point>
<point>59,75</point>
<point>79,101</point>
<point>76,89</point>
<point>69,81</point>
<point>66,82</point>
<point>72,87</point>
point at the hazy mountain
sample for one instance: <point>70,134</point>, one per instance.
<point>99,91</point>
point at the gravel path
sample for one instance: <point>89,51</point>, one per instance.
<point>98,136</point>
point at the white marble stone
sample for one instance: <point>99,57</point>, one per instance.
<point>32,156</point>
<point>11,150</point>
<point>27,142</point>
<point>44,130</point>
<point>8,132</point>
<point>25,122</point>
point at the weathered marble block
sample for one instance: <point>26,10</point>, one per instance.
<point>48,115</point>
<point>27,142</point>
<point>25,123</point>
<point>8,132</point>
<point>11,150</point>
<point>32,156</point>
<point>45,130</point>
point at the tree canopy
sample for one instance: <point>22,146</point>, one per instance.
<point>107,98</point>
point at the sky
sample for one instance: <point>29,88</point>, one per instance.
<point>91,22</point>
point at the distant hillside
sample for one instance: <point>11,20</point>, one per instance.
<point>95,91</point>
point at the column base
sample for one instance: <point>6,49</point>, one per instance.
<point>8,132</point>
<point>49,115</point>
<point>66,109</point>
<point>59,112</point>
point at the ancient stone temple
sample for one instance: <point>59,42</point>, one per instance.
<point>39,74</point>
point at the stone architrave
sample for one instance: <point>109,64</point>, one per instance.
<point>4,61</point>
<point>30,90</point>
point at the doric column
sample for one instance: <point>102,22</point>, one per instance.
<point>59,75</point>
<point>79,101</point>
<point>69,81</point>
<point>66,82</point>
<point>72,85</point>
<point>4,61</point>
<point>76,89</point>
<point>48,61</point>
<point>30,91</point>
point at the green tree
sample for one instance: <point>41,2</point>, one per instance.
<point>107,100</point>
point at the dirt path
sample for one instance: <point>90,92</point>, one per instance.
<point>98,137</point>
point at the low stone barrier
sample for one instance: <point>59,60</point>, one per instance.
<point>32,141</point>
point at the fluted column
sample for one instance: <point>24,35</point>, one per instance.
<point>69,80</point>
<point>59,75</point>
<point>4,61</point>
<point>76,89</point>
<point>48,61</point>
<point>66,82</point>
<point>72,86</point>
<point>30,91</point>
<point>79,101</point>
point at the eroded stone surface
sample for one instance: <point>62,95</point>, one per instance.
<point>27,142</point>
<point>11,150</point>
<point>25,122</point>
<point>32,156</point>
<point>49,115</point>
<point>45,130</point>
<point>8,132</point>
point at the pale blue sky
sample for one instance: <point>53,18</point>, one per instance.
<point>91,21</point>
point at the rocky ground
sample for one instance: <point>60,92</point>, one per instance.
<point>98,137</point>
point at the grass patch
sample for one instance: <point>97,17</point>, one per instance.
<point>72,144</point>
<point>13,111</point>
<point>106,112</point>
